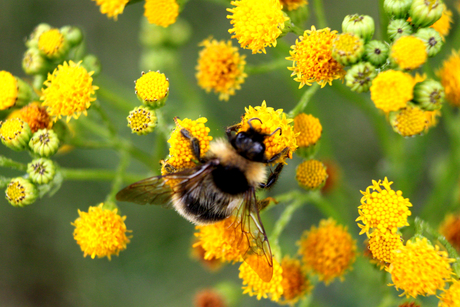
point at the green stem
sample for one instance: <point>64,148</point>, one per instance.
<point>283,220</point>
<point>96,175</point>
<point>383,17</point>
<point>118,180</point>
<point>296,30</point>
<point>6,162</point>
<point>266,67</point>
<point>105,94</point>
<point>319,12</point>
<point>326,208</point>
<point>303,102</point>
<point>105,119</point>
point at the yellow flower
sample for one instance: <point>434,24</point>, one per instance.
<point>418,268</point>
<point>401,85</point>
<point>142,120</point>
<point>100,232</point>
<point>35,115</point>
<point>8,90</point>
<point>295,284</point>
<point>443,24</point>
<point>220,68</point>
<point>15,133</point>
<point>181,155</point>
<point>450,78</point>
<point>21,192</point>
<point>312,58</point>
<point>328,250</point>
<point>311,174</point>
<point>409,52</point>
<point>112,8</point>
<point>382,246</point>
<point>222,241</point>
<point>254,285</point>
<point>383,209</point>
<point>308,128</point>
<point>293,4</point>
<point>272,120</point>
<point>432,118</point>
<point>52,43</point>
<point>256,24</point>
<point>451,296</point>
<point>450,228</point>
<point>152,89</point>
<point>69,90</point>
<point>410,121</point>
<point>161,12</point>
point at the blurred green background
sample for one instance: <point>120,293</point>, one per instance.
<point>40,263</point>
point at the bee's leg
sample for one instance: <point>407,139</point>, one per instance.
<point>273,177</point>
<point>275,157</point>
<point>262,204</point>
<point>231,129</point>
<point>194,143</point>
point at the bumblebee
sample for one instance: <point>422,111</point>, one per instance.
<point>223,183</point>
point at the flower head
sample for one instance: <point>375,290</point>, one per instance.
<point>347,48</point>
<point>100,232</point>
<point>52,44</point>
<point>15,133</point>
<point>181,155</point>
<point>409,121</point>
<point>8,90</point>
<point>361,25</point>
<point>220,68</point>
<point>295,284</point>
<point>112,8</point>
<point>359,77</point>
<point>443,24</point>
<point>69,91</point>
<point>401,85</point>
<point>270,120</point>
<point>308,129</point>
<point>311,174</point>
<point>152,89</point>
<point>44,143</point>
<point>312,58</point>
<point>21,192</point>
<point>382,246</point>
<point>161,12</point>
<point>256,24</point>
<point>41,170</point>
<point>418,268</point>
<point>376,52</point>
<point>450,78</point>
<point>382,208</point>
<point>451,296</point>
<point>450,228</point>
<point>293,4</point>
<point>328,251</point>
<point>409,52</point>
<point>254,285</point>
<point>33,114</point>
<point>142,120</point>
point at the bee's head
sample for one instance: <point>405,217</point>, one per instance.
<point>250,143</point>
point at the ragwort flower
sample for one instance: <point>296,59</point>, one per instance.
<point>8,90</point>
<point>382,247</point>
<point>35,115</point>
<point>69,91</point>
<point>308,129</point>
<point>451,296</point>
<point>152,89</point>
<point>312,58</point>
<point>418,268</point>
<point>52,44</point>
<point>112,8</point>
<point>100,232</point>
<point>295,284</point>
<point>256,24</point>
<point>401,85</point>
<point>443,24</point>
<point>15,133</point>
<point>161,12</point>
<point>328,251</point>
<point>409,121</point>
<point>311,174</point>
<point>409,52</point>
<point>21,192</point>
<point>383,209</point>
<point>450,78</point>
<point>220,68</point>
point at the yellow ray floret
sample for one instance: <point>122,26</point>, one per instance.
<point>450,297</point>
<point>443,24</point>
<point>112,8</point>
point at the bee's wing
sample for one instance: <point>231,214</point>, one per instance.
<point>158,190</point>
<point>258,255</point>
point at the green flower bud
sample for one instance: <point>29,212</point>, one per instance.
<point>397,8</point>
<point>424,13</point>
<point>361,25</point>
<point>142,120</point>
<point>15,133</point>
<point>429,95</point>
<point>432,40</point>
<point>41,170</point>
<point>32,42</point>
<point>376,52</point>
<point>73,35</point>
<point>44,143</point>
<point>21,192</point>
<point>398,28</point>
<point>38,80</point>
<point>359,77</point>
<point>92,63</point>
<point>34,63</point>
<point>347,48</point>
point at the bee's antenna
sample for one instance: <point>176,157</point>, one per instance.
<point>251,119</point>
<point>279,128</point>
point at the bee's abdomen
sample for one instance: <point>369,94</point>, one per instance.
<point>230,180</point>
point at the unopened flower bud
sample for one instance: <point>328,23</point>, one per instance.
<point>15,133</point>
<point>398,28</point>
<point>21,192</point>
<point>142,120</point>
<point>44,143</point>
<point>432,40</point>
<point>73,35</point>
<point>92,63</point>
<point>361,25</point>
<point>429,95</point>
<point>41,171</point>
<point>397,8</point>
<point>376,52</point>
<point>34,63</point>
<point>53,45</point>
<point>347,48</point>
<point>359,77</point>
<point>425,13</point>
<point>32,41</point>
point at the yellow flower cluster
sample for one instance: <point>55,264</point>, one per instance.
<point>409,52</point>
<point>451,296</point>
<point>450,78</point>
<point>401,85</point>
<point>152,88</point>
<point>382,246</point>
<point>161,12</point>
<point>8,90</point>
<point>311,174</point>
<point>295,284</point>
<point>112,7</point>
<point>308,129</point>
<point>410,121</point>
<point>51,43</point>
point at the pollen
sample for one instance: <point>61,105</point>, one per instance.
<point>51,43</point>
<point>418,268</point>
<point>410,121</point>
<point>295,284</point>
<point>8,90</point>
<point>142,120</point>
<point>312,58</point>
<point>382,247</point>
<point>112,8</point>
<point>409,52</point>
<point>100,232</point>
<point>69,91</point>
<point>255,286</point>
<point>444,23</point>
<point>181,154</point>
<point>383,208</point>
<point>292,5</point>
<point>308,129</point>
<point>450,228</point>
<point>152,88</point>
<point>220,68</point>
<point>161,12</point>
<point>311,174</point>
<point>401,85</point>
<point>256,24</point>
<point>35,115</point>
<point>450,78</point>
<point>327,251</point>
<point>270,120</point>
<point>451,296</point>
<point>222,241</point>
